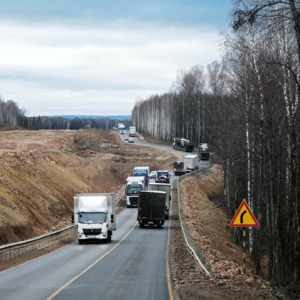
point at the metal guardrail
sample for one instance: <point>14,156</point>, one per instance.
<point>15,249</point>
<point>120,197</point>
<point>194,250</point>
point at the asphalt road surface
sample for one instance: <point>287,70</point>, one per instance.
<point>133,266</point>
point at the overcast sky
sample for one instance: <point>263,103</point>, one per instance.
<point>97,57</point>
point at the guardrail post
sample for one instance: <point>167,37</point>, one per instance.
<point>7,255</point>
<point>12,253</point>
<point>24,249</point>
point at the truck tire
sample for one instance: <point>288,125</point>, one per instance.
<point>166,217</point>
<point>141,225</point>
<point>80,242</point>
<point>109,236</point>
<point>128,206</point>
<point>159,226</point>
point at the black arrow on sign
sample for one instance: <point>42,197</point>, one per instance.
<point>242,216</point>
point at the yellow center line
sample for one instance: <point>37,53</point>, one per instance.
<point>68,283</point>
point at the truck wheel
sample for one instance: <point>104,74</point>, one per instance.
<point>166,217</point>
<point>80,242</point>
<point>141,225</point>
<point>159,226</point>
<point>128,206</point>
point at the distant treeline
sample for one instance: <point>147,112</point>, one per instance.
<point>11,113</point>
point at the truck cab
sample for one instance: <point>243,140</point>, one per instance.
<point>163,176</point>
<point>94,216</point>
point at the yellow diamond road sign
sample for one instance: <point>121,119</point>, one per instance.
<point>244,217</point>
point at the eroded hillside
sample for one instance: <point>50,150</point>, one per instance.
<point>41,170</point>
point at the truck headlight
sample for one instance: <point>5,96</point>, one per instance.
<point>104,232</point>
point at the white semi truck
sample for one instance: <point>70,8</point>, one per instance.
<point>94,216</point>
<point>191,162</point>
<point>163,187</point>
<point>132,130</point>
<point>134,185</point>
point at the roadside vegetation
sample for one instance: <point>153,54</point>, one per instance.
<point>246,107</point>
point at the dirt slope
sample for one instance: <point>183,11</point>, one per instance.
<point>208,226</point>
<point>41,170</point>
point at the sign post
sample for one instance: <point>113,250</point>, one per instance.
<point>244,218</point>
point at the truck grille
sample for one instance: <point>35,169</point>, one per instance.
<point>133,200</point>
<point>92,231</point>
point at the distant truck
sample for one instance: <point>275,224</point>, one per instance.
<point>142,171</point>
<point>151,208</point>
<point>203,151</point>
<point>122,131</point>
<point>134,185</point>
<point>163,187</point>
<point>183,144</point>
<point>191,163</point>
<point>132,130</point>
<point>178,168</point>
<point>162,176</point>
<point>94,216</point>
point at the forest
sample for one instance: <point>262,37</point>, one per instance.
<point>246,106</point>
<point>11,113</point>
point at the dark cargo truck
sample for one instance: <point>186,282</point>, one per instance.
<point>183,144</point>
<point>203,151</point>
<point>151,208</point>
<point>178,168</point>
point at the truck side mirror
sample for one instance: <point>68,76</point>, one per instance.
<point>112,217</point>
<point>170,198</point>
<point>72,219</point>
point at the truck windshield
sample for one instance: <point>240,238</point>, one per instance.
<point>160,174</point>
<point>140,173</point>
<point>134,190</point>
<point>91,217</point>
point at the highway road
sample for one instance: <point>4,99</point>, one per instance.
<point>133,266</point>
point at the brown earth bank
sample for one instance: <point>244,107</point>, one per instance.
<point>146,138</point>
<point>208,226</point>
<point>41,170</point>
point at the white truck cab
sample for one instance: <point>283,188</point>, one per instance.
<point>94,216</point>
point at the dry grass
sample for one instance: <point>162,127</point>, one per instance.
<point>207,225</point>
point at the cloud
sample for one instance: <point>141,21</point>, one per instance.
<point>79,67</point>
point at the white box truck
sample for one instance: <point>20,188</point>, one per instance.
<point>132,130</point>
<point>94,216</point>
<point>163,187</point>
<point>134,185</point>
<point>191,163</point>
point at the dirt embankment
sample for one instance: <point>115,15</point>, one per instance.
<point>41,170</point>
<point>208,226</point>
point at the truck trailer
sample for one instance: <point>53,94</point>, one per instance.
<point>142,171</point>
<point>183,144</point>
<point>163,187</point>
<point>94,216</point>
<point>132,130</point>
<point>191,163</point>
<point>151,208</point>
<point>178,168</point>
